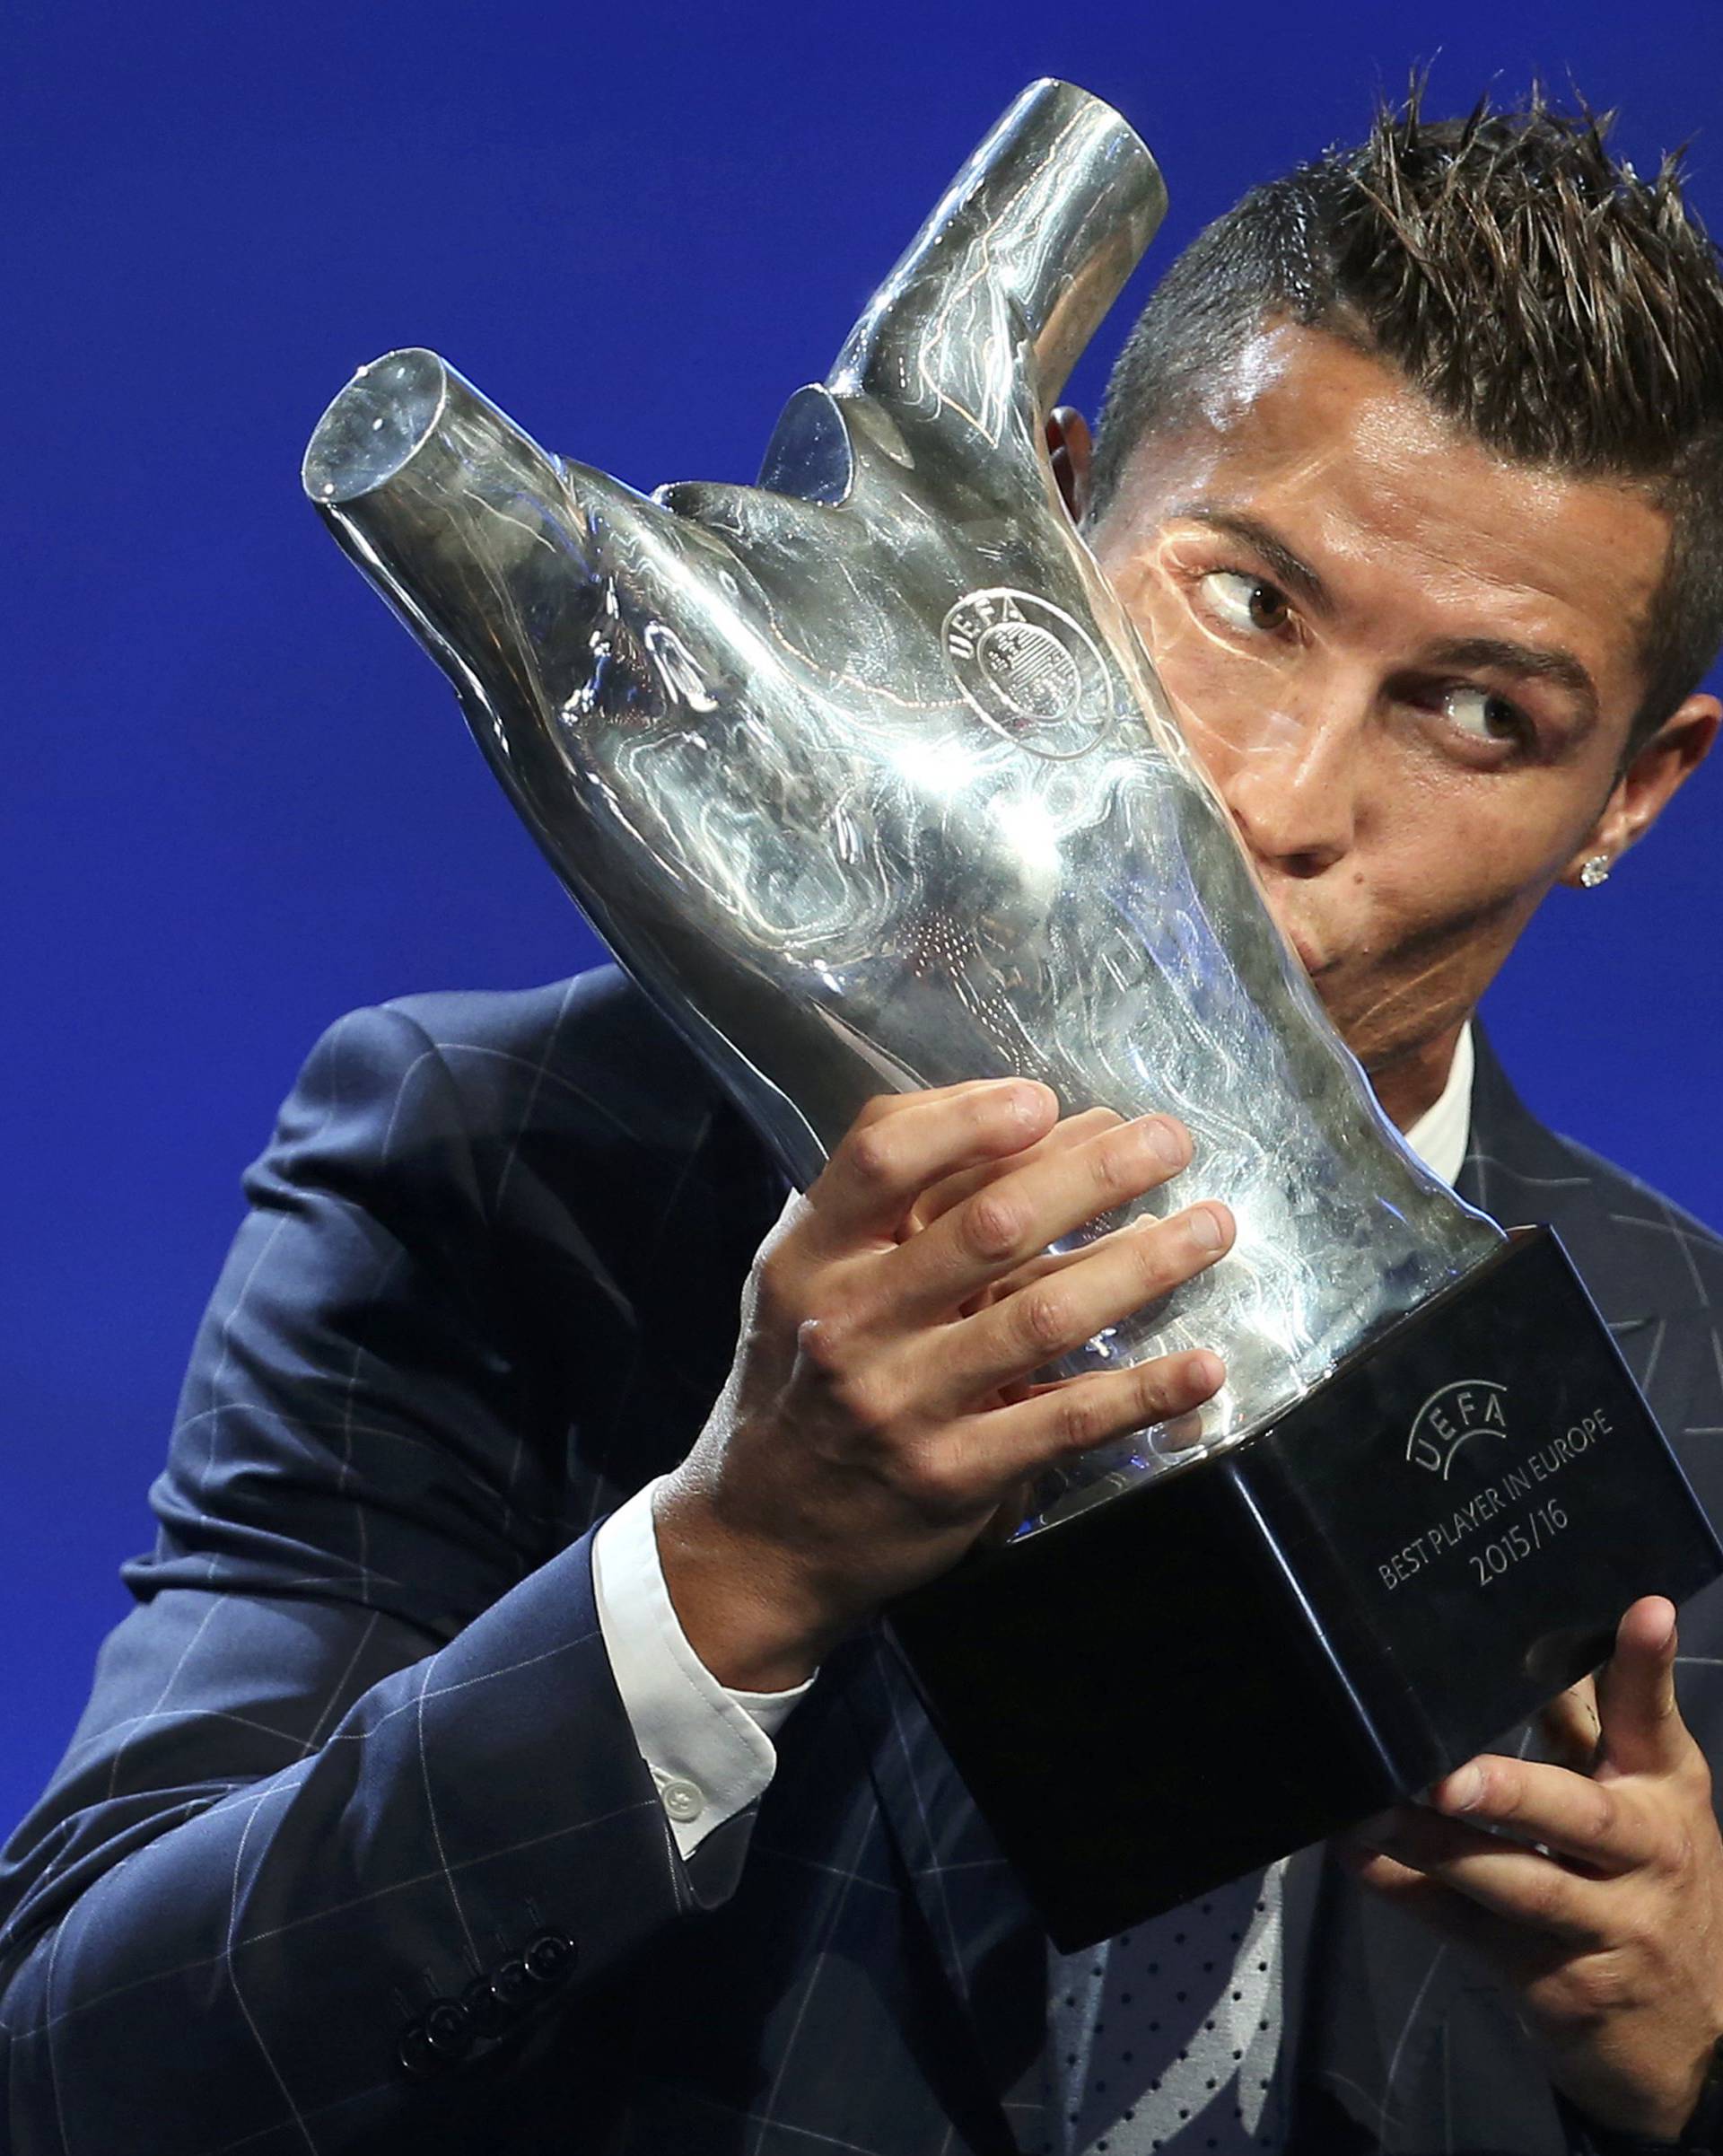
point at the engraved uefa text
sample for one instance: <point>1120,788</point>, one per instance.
<point>1030,670</point>
<point>1508,1521</point>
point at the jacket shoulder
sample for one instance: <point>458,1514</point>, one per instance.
<point>558,1121</point>
<point>1637,1249</point>
<point>595,1034</point>
<point>492,1073</point>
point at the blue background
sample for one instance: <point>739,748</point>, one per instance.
<point>237,801</point>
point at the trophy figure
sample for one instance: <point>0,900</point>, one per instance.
<point>865,776</point>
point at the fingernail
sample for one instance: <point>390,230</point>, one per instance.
<point>1165,1141</point>
<point>1204,1227</point>
<point>1462,1789</point>
<point>1027,1099</point>
<point>1207,1371</point>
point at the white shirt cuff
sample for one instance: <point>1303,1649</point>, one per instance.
<point>709,1748</point>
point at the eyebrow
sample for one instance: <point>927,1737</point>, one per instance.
<point>1295,574</point>
<point>1528,662</point>
<point>1524,661</point>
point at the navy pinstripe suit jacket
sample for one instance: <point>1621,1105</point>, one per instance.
<point>358,1750</point>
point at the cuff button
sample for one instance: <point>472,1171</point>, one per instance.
<point>485,2008</point>
<point>549,1959</point>
<point>418,2059</point>
<point>447,2029</point>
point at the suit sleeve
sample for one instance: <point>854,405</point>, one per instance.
<point>354,1817</point>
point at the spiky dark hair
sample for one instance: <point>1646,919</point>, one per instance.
<point>1566,312</point>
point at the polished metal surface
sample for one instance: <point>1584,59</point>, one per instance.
<point>866,777</point>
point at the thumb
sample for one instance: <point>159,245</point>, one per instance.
<point>1642,1732</point>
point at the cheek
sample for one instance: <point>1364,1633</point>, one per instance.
<point>1226,695</point>
<point>1435,849</point>
<point>1454,841</point>
<point>1429,905</point>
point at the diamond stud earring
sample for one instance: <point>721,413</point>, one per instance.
<point>1594,871</point>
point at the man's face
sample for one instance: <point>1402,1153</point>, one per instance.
<point>1409,667</point>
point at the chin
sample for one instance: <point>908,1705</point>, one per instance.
<point>1354,1013</point>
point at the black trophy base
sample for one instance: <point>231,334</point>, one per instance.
<point>1245,1655</point>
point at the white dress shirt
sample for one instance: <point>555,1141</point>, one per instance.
<point>709,1748</point>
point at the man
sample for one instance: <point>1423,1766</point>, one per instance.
<point>411,1813</point>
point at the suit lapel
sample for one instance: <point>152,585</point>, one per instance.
<point>987,1950</point>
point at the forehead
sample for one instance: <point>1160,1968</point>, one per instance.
<point>1395,505</point>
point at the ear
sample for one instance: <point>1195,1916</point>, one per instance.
<point>1648,781</point>
<point>1073,453</point>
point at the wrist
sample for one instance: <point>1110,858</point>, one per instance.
<point>1700,2134</point>
<point>741,1602</point>
<point>1704,2132</point>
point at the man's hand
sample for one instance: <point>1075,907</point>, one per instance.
<point>882,1405</point>
<point>1599,1898</point>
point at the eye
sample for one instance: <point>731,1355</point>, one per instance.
<point>1245,602</point>
<point>1483,716</point>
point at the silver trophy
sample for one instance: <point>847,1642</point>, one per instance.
<point>865,776</point>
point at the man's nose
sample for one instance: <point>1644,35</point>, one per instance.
<point>1293,780</point>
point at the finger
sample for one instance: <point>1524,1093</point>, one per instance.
<point>899,1145</point>
<point>990,1452</point>
<point>938,1200</point>
<point>1567,1728</point>
<point>1600,1824</point>
<point>996,1229</point>
<point>1501,1941</point>
<point>1013,1339</point>
<point>1643,1733</point>
<point>1508,1881</point>
<point>1046,1265</point>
